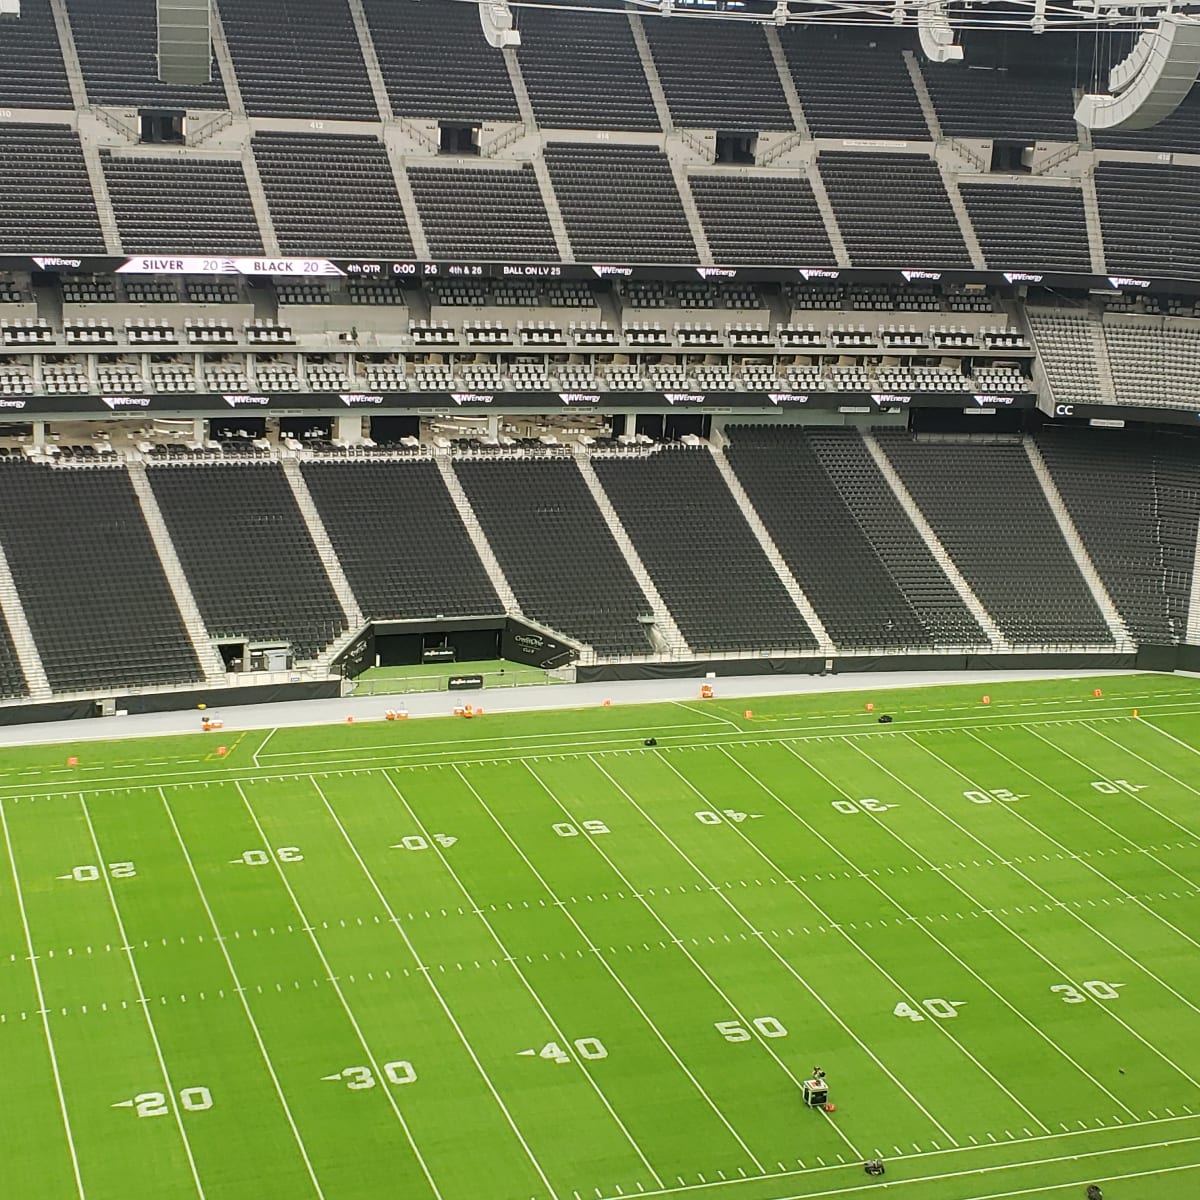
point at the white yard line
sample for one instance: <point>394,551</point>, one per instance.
<point>241,993</point>
<point>1099,821</point>
<point>930,934</point>
<point>143,1000</point>
<point>1125,787</point>
<point>1059,972</point>
<point>262,746</point>
<point>333,979</point>
<point>43,1011</point>
<point>852,941</point>
<point>787,966</point>
<point>1012,811</point>
<point>594,948</point>
<point>428,976</point>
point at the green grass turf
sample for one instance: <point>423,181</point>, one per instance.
<point>527,957</point>
<point>431,677</point>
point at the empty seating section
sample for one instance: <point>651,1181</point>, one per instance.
<point>90,580</point>
<point>987,507</point>
<point>556,551</point>
<point>620,204</point>
<point>400,540</point>
<point>354,211</point>
<point>1135,499</point>
<point>1029,228</point>
<point>893,210</point>
<point>1150,218</point>
<point>992,102</point>
<point>117,45</point>
<point>486,214</point>
<point>248,555</point>
<point>804,507</point>
<point>736,87</point>
<point>181,206</point>
<point>1178,133</point>
<point>32,74</point>
<point>1153,362</point>
<point>754,220</point>
<point>701,553</point>
<point>851,89</point>
<point>1068,343</point>
<point>844,457</point>
<point>582,71</point>
<point>298,58</point>
<point>436,63</point>
<point>46,201</point>
<point>12,679</point>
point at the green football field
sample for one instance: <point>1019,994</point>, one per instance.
<point>526,957</point>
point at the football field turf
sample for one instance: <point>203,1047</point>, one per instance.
<point>526,957</point>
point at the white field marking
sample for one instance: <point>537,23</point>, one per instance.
<point>262,746</point>
<point>1157,769</point>
<point>1043,1162</point>
<point>201,776</point>
<point>1104,1008</point>
<point>241,993</point>
<point>682,945</point>
<point>929,933</point>
<point>1099,821</point>
<point>42,1009</point>
<point>829,920</point>
<point>137,983</point>
<point>894,982</point>
<point>1011,809</point>
<point>702,713</point>
<point>717,891</point>
<point>433,987</point>
<point>337,987</point>
<point>595,949</point>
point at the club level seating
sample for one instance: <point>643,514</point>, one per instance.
<point>556,551</point>
<point>46,201</point>
<point>619,204</point>
<point>1150,219</point>
<point>483,214</point>
<point>1135,499</point>
<point>298,58</point>
<point>893,210</point>
<point>248,555</point>
<point>1067,345</point>
<point>91,582</point>
<point>400,540</point>
<point>1153,364</point>
<point>436,63</point>
<point>1029,228</point>
<point>701,553</point>
<point>1177,133</point>
<point>355,211</point>
<point>987,507</point>
<point>1022,104</point>
<point>737,88</point>
<point>117,45</point>
<point>32,74</point>
<point>146,196</point>
<point>754,220</point>
<point>850,87</point>
<point>582,71</point>
<point>846,539</point>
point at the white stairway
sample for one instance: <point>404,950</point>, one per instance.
<point>674,639</point>
<point>934,545</point>
<point>22,638</point>
<point>475,532</point>
<point>328,556</point>
<point>210,661</point>
<point>793,589</point>
<point>383,101</point>
<point>1083,560</point>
